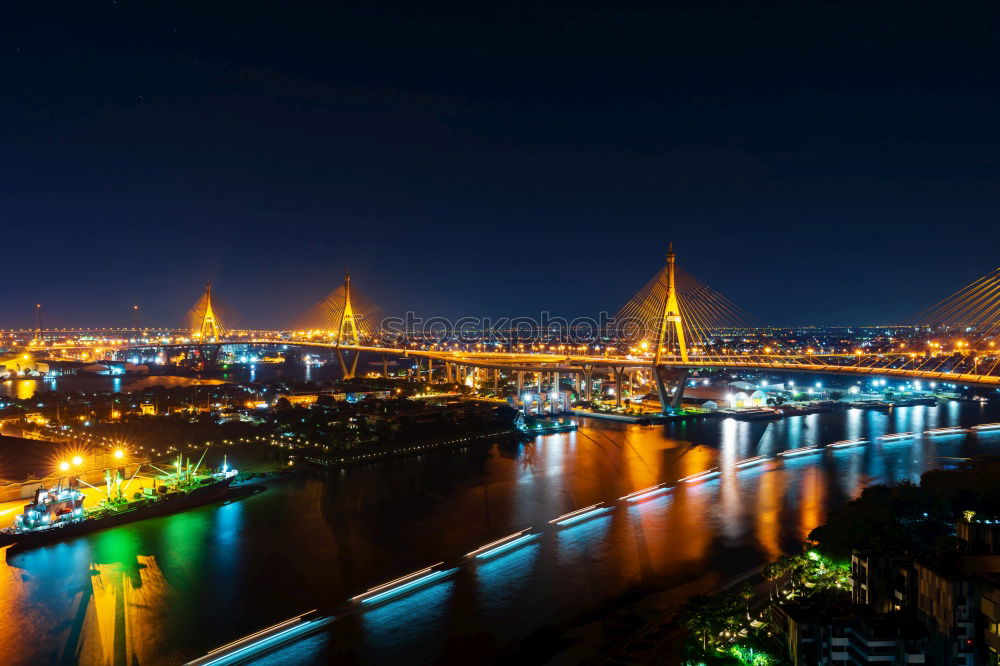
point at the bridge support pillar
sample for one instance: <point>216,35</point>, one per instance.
<point>619,374</point>
<point>667,378</point>
<point>430,370</point>
<point>554,393</point>
<point>588,382</point>
<point>347,369</point>
<point>385,365</point>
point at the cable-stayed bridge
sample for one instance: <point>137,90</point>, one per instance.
<point>673,325</point>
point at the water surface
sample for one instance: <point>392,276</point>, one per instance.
<point>168,589</point>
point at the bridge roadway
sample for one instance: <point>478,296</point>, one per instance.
<point>532,362</point>
<point>549,362</point>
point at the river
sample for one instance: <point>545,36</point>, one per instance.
<point>168,589</point>
<point>23,389</point>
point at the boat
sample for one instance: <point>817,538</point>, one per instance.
<point>58,513</point>
<point>844,443</point>
<point>547,427</point>
<point>871,404</point>
<point>913,402</point>
<point>753,414</point>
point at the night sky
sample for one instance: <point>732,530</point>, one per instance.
<point>814,162</point>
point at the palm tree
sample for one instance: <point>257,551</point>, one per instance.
<point>772,573</point>
<point>746,591</point>
<point>700,614</point>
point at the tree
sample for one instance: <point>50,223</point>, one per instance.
<point>707,615</point>
<point>699,615</point>
<point>746,591</point>
<point>772,572</point>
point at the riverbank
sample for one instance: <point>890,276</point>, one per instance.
<point>382,452</point>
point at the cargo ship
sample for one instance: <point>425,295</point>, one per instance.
<point>58,513</point>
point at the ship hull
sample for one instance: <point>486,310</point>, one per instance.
<point>197,497</point>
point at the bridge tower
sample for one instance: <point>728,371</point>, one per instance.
<point>671,315</point>
<point>347,332</point>
<point>348,328</point>
<point>209,328</point>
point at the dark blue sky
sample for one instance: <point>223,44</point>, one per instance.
<point>815,162</point>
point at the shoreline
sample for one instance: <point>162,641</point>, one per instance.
<point>403,450</point>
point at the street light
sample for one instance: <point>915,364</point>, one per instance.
<point>77,460</point>
<point>64,466</point>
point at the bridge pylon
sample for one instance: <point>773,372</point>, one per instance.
<point>671,315</point>
<point>347,332</point>
<point>209,327</point>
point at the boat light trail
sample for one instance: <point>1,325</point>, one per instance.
<point>402,584</point>
<point>501,545</point>
<point>896,436</point>
<point>271,637</point>
<point>986,426</point>
<point>799,452</point>
<point>748,462</point>
<point>580,514</point>
<point>646,493</point>
<point>701,476</point>
<point>941,432</point>
<point>844,443</point>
